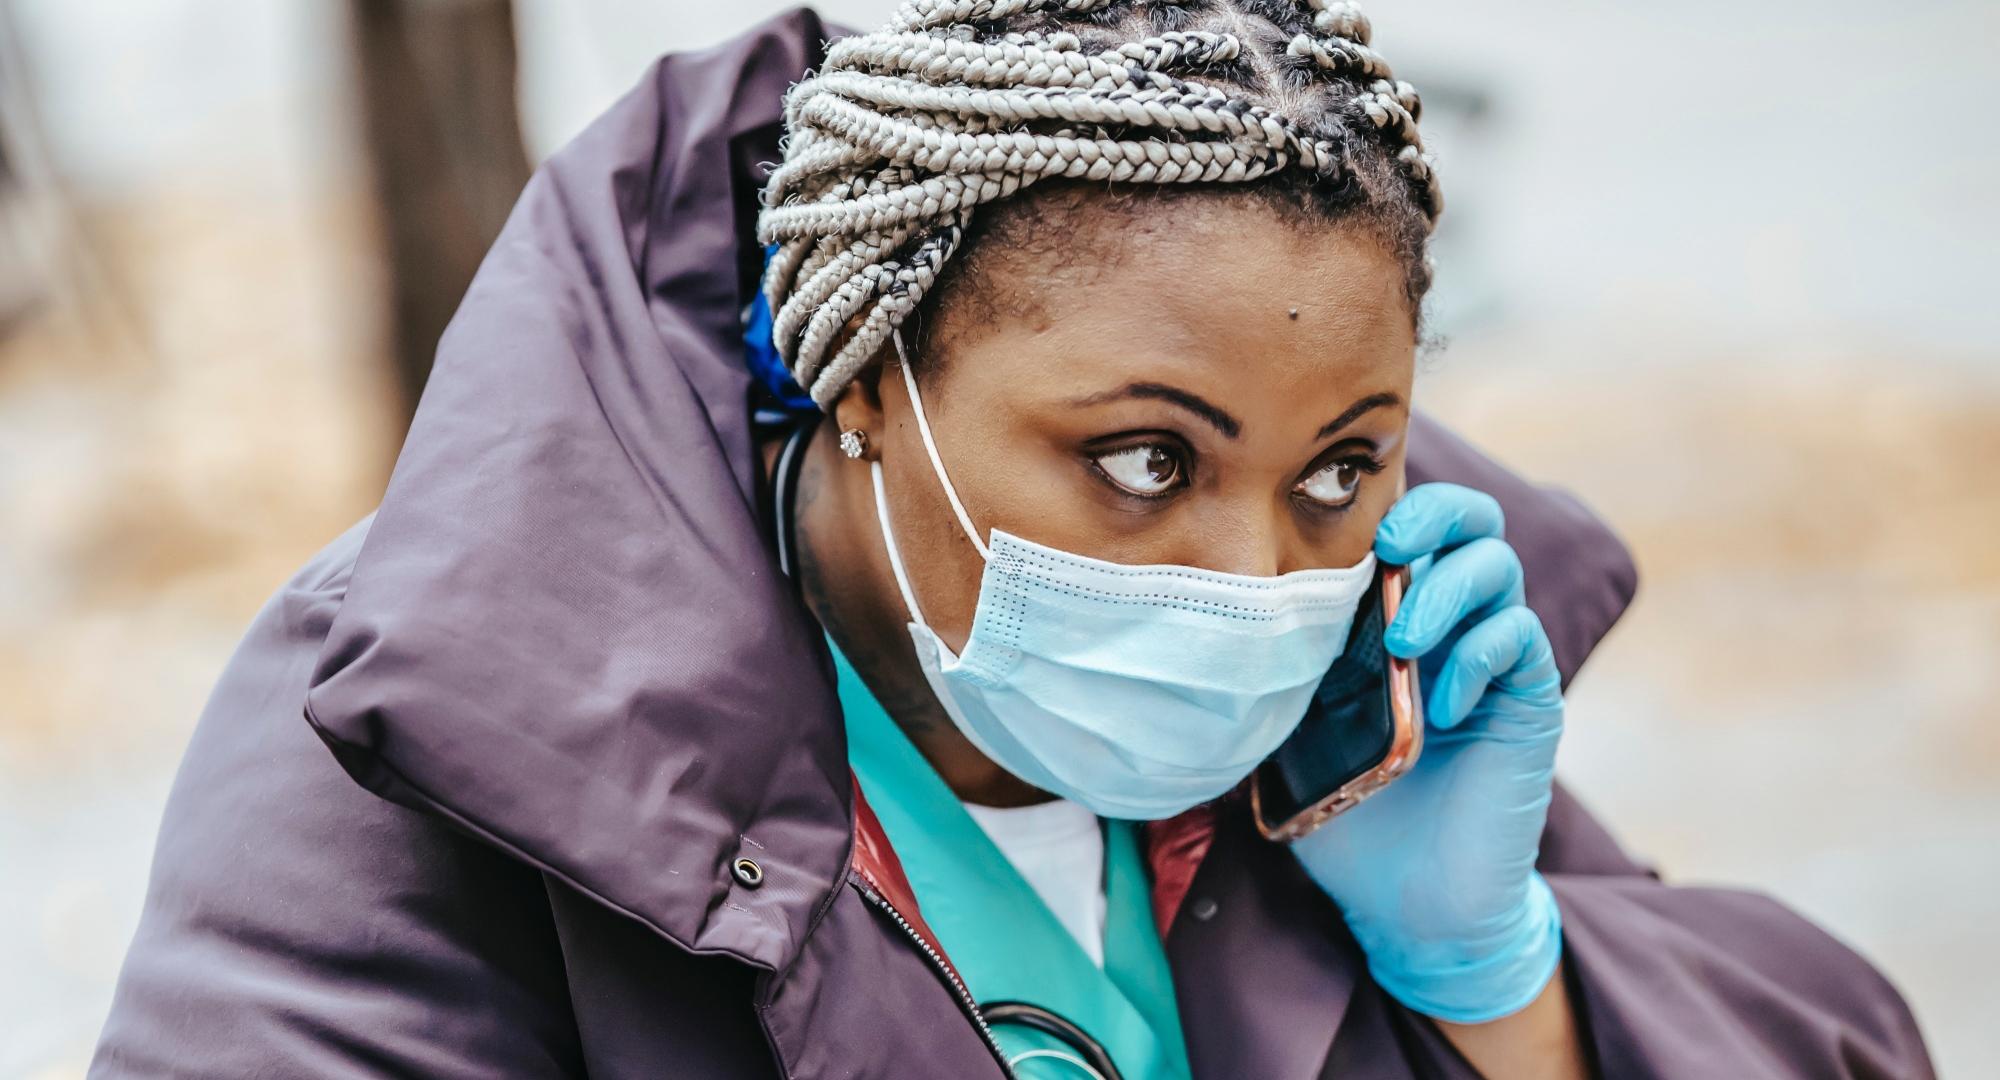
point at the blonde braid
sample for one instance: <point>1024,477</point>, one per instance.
<point>903,134</point>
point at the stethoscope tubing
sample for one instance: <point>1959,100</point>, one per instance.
<point>1028,1015</point>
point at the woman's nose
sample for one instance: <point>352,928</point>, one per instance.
<point>1249,542</point>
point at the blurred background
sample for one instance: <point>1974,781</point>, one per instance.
<point>1724,269</point>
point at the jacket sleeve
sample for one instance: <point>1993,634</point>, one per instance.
<point>297,926</point>
<point>1699,982</point>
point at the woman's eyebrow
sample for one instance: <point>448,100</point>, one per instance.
<point>1173,395</point>
<point>1219,419</point>
<point>1354,411</point>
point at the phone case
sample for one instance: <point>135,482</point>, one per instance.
<point>1405,744</point>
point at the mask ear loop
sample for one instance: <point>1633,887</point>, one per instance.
<point>930,447</point>
<point>889,542</point>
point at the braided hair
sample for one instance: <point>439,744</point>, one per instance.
<point>903,135</point>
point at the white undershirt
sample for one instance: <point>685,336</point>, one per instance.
<point>1058,847</point>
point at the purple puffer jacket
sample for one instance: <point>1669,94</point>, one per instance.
<point>564,689</point>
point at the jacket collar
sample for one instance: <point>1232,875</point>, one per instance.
<point>548,638</point>
<point>566,631</point>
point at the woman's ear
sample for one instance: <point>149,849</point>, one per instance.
<point>859,406</point>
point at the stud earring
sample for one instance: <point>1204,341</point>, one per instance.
<point>854,442</point>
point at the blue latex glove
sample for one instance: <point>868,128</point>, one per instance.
<point>1436,873</point>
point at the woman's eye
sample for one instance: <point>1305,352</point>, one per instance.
<point>1334,485</point>
<point>1151,469</point>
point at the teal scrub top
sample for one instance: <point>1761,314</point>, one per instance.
<point>1001,937</point>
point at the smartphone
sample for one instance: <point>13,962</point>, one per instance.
<point>1363,728</point>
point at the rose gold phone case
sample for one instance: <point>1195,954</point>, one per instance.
<point>1406,709</point>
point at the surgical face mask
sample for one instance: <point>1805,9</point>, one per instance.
<point>1136,691</point>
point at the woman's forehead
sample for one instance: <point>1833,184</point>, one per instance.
<point>1255,313</point>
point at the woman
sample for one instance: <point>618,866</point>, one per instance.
<point>694,738</point>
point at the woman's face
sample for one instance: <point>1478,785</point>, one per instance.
<point>1229,390</point>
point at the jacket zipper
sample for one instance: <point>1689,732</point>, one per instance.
<point>970,1006</point>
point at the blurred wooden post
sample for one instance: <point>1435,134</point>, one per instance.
<point>441,128</point>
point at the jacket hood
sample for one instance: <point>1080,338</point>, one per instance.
<point>566,631</point>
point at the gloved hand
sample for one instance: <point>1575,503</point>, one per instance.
<point>1436,873</point>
